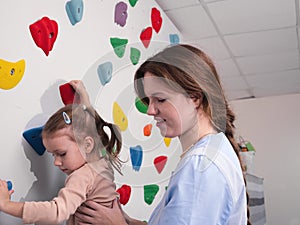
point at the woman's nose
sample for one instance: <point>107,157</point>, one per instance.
<point>152,110</point>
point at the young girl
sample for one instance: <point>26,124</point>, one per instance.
<point>81,148</point>
<point>183,92</point>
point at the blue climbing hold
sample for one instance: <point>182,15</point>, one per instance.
<point>104,71</point>
<point>136,155</point>
<point>174,39</point>
<point>9,185</point>
<point>34,138</point>
<point>74,10</point>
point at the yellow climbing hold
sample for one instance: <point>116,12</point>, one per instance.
<point>167,141</point>
<point>119,117</point>
<point>11,73</point>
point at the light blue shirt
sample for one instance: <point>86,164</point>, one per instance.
<point>206,188</point>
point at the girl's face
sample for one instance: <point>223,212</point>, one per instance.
<point>175,113</point>
<point>66,152</point>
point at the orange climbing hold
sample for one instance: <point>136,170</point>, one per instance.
<point>148,129</point>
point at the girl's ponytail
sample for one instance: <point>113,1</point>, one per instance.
<point>112,144</point>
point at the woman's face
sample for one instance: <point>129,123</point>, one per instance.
<point>174,112</point>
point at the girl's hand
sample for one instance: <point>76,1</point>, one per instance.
<point>81,94</point>
<point>94,213</point>
<point>4,194</point>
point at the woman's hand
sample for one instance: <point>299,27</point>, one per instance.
<point>94,213</point>
<point>81,94</point>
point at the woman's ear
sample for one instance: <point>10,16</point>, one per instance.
<point>88,144</point>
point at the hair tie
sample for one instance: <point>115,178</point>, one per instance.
<point>106,124</point>
<point>83,107</point>
<point>66,118</point>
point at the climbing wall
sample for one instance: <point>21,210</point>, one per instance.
<point>45,44</point>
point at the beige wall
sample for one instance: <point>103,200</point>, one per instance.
<point>273,126</point>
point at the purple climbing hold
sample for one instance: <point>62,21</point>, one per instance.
<point>121,13</point>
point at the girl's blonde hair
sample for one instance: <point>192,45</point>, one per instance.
<point>84,121</point>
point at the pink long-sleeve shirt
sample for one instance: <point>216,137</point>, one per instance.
<point>93,181</point>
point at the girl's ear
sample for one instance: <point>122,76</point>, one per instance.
<point>88,144</point>
<point>197,100</point>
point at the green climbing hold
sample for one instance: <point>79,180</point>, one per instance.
<point>132,2</point>
<point>150,192</point>
<point>135,55</point>
<point>141,107</point>
<point>119,46</point>
<point>103,152</point>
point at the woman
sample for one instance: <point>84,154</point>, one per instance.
<point>182,89</point>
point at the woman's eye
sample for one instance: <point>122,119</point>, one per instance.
<point>62,154</point>
<point>161,100</point>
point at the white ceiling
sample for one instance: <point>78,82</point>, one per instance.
<point>254,43</point>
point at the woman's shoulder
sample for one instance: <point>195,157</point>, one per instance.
<point>213,151</point>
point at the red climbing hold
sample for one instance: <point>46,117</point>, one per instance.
<point>124,192</point>
<point>160,163</point>
<point>146,36</point>
<point>156,19</point>
<point>44,33</point>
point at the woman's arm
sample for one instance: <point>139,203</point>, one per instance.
<point>93,213</point>
<point>8,206</point>
<point>136,222</point>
